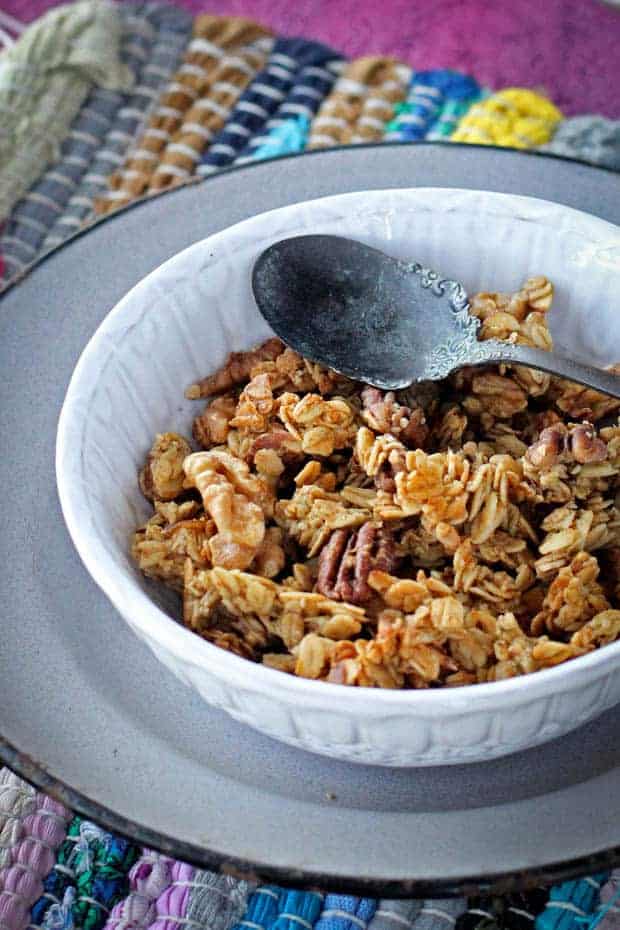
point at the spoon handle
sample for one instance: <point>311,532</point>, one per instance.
<point>494,351</point>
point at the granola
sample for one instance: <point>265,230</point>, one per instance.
<point>448,534</point>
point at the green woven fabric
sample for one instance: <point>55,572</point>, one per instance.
<point>44,79</point>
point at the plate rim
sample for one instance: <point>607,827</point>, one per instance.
<point>468,885</point>
<point>248,166</point>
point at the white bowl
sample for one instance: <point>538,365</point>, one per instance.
<point>181,321</point>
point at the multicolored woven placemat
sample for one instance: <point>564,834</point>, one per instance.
<point>124,101</point>
<point>59,872</point>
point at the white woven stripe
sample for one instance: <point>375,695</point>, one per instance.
<point>207,104</point>
<point>377,103</point>
<point>109,155</point>
<point>180,148</point>
<point>203,45</point>
<point>413,118</point>
<point>156,133</point>
<point>426,90</point>
<point>15,241</point>
<point>238,130</point>
<point>336,121</point>
<point>240,64</point>
<point>296,919</point>
<point>99,180</point>
<point>196,129</point>
<point>567,906</point>
<point>246,106</point>
<point>347,86</point>
<point>29,223</point>
<point>437,912</point>
<point>226,87</point>
<point>36,197</point>
<point>118,136</point>
<point>95,116</point>
<point>61,179</point>
<point>79,201</point>
<point>76,160</point>
<point>196,70</point>
<point>278,72</point>
<point>371,122</point>
<point>285,60</point>
<point>221,148</point>
<point>84,137</point>
<point>144,155</point>
<point>143,90</point>
<point>309,91</point>
<point>176,88</point>
<point>344,915</point>
<point>169,111</point>
<point>315,71</point>
<point>131,113</point>
<point>266,90</point>
<point>174,170</point>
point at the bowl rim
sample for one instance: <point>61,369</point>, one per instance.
<point>153,623</point>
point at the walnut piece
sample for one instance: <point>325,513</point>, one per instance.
<point>235,370</point>
<point>212,426</point>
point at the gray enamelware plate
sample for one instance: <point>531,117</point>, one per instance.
<point>90,716</point>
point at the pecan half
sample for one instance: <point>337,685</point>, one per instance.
<point>349,557</point>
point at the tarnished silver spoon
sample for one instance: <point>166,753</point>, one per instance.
<point>386,322</point>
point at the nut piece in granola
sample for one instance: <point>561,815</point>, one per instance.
<point>236,370</point>
<point>162,477</point>
<point>348,558</point>
<point>233,500</point>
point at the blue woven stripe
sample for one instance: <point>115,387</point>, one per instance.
<point>571,902</point>
<point>346,912</point>
<point>312,84</point>
<point>429,91</point>
<point>264,97</point>
<point>298,910</point>
<point>262,910</point>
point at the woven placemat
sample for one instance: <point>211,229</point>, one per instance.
<point>59,872</point>
<point>207,93</point>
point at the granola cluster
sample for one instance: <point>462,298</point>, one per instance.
<point>452,533</point>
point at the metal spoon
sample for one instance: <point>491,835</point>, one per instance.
<point>383,321</point>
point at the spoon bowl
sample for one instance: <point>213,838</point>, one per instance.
<point>384,321</point>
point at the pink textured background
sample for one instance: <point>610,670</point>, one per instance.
<point>567,47</point>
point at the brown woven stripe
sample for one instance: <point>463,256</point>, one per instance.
<point>213,37</point>
<point>209,113</point>
<point>361,102</point>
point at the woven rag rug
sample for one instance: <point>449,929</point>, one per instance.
<point>103,104</point>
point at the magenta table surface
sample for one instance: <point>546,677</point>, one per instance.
<point>568,48</point>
